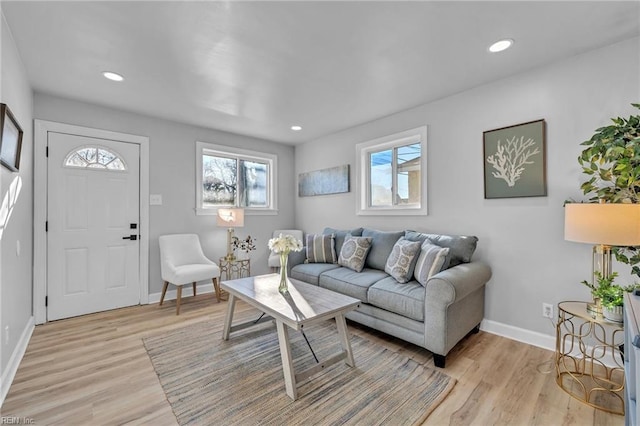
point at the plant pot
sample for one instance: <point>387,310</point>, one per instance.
<point>613,313</point>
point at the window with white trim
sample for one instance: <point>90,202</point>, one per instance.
<point>233,177</point>
<point>391,173</point>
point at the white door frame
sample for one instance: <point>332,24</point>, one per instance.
<point>40,190</point>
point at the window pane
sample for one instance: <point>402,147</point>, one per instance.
<point>219,181</point>
<point>408,174</point>
<point>380,172</point>
<point>94,158</point>
<point>254,178</point>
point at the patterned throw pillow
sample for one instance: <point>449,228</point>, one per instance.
<point>402,260</point>
<point>354,252</point>
<point>430,261</point>
<point>321,249</point>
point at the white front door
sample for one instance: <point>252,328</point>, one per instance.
<point>93,207</point>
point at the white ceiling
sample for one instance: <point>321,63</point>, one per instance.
<point>256,68</point>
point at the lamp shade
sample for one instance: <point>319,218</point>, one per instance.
<point>230,218</point>
<point>611,224</point>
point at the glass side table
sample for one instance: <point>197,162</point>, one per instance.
<point>589,364</point>
<point>233,269</point>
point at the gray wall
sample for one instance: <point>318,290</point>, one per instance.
<point>172,174</point>
<point>15,270</point>
<point>522,239</point>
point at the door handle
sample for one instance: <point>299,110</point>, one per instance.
<point>130,237</point>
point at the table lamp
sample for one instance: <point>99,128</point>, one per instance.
<point>605,225</point>
<point>230,218</point>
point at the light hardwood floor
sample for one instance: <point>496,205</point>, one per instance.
<point>93,370</point>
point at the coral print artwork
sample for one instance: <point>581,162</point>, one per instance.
<point>514,161</point>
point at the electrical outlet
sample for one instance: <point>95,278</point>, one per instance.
<point>547,310</point>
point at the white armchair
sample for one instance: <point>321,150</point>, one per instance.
<point>274,259</point>
<point>182,262</point>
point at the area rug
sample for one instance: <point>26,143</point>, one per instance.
<point>240,381</point>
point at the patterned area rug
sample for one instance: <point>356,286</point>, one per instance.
<point>240,381</point>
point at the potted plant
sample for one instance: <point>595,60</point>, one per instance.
<point>611,159</point>
<point>609,295</point>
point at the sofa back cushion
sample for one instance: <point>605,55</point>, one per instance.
<point>402,260</point>
<point>321,249</point>
<point>382,243</point>
<point>461,247</point>
<point>354,252</point>
<point>340,234</point>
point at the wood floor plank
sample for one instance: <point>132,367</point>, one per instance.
<point>94,370</point>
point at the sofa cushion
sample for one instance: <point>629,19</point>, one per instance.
<point>321,249</point>
<point>430,261</point>
<point>381,246</point>
<point>402,260</point>
<point>310,272</point>
<point>351,283</point>
<point>461,247</point>
<point>354,252</point>
<point>341,234</point>
<point>402,299</point>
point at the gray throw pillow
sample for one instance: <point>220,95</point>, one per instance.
<point>402,260</point>
<point>354,252</point>
<point>430,261</point>
<point>321,249</point>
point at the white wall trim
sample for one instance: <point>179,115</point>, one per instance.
<point>187,291</point>
<point>534,338</point>
<point>41,130</point>
<point>14,362</point>
<point>540,340</point>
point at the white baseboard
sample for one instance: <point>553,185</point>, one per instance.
<point>16,357</point>
<point>187,291</point>
<point>534,338</point>
<point>540,340</point>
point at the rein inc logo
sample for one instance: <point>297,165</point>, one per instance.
<point>15,420</point>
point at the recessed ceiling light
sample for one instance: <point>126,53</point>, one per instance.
<point>500,45</point>
<point>296,128</point>
<point>112,76</point>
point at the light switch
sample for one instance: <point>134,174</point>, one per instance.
<point>155,199</point>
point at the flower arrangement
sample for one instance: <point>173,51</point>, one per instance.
<point>610,294</point>
<point>246,245</point>
<point>284,244</point>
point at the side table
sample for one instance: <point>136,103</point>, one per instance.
<point>234,269</point>
<point>589,364</point>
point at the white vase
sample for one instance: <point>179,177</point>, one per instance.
<point>612,313</point>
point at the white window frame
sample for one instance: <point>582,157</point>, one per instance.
<point>364,149</point>
<point>203,148</point>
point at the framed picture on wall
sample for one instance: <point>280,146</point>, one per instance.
<point>10,139</point>
<point>514,161</point>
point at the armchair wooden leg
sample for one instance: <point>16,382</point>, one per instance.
<point>178,300</point>
<point>194,288</point>
<point>216,288</point>
<point>164,291</point>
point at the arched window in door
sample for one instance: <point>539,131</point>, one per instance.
<point>95,157</point>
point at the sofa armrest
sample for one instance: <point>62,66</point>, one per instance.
<point>453,284</point>
<point>454,305</point>
<point>297,257</point>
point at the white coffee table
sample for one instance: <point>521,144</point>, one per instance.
<point>305,304</point>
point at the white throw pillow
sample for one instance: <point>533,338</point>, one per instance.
<point>430,261</point>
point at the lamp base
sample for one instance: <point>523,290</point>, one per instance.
<point>595,308</point>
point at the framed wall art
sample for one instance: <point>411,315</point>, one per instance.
<point>10,139</point>
<point>334,180</point>
<point>514,161</point>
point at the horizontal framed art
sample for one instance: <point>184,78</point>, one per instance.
<point>334,180</point>
<point>514,161</point>
<point>10,139</point>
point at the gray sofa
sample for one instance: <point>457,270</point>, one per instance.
<point>435,316</point>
